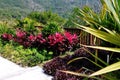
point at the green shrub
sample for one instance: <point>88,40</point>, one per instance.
<point>29,57</point>
<point>23,56</point>
<point>46,17</point>
<point>28,25</point>
<point>5,29</point>
<point>51,28</point>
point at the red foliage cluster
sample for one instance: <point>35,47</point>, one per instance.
<point>58,43</point>
<point>55,38</point>
<point>21,34</point>
<point>62,42</point>
<point>58,64</point>
<point>7,37</point>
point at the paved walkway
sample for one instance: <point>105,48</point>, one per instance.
<point>11,71</point>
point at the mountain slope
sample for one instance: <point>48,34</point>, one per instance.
<point>19,8</point>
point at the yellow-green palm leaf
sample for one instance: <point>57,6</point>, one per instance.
<point>113,67</point>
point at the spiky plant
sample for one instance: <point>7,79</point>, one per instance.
<point>106,26</point>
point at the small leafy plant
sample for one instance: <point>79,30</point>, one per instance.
<point>51,28</point>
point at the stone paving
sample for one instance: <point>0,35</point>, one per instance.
<point>11,71</point>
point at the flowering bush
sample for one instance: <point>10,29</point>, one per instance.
<point>57,43</point>
<point>7,37</point>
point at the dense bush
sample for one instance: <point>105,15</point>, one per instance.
<point>23,56</point>
<point>54,65</point>
<point>46,17</point>
<point>28,57</point>
<point>58,64</point>
<point>4,28</point>
<point>57,43</point>
<point>51,28</point>
<point>27,25</point>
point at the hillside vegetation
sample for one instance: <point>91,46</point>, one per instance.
<point>20,8</point>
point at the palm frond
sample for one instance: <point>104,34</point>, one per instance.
<point>110,68</point>
<point>114,39</point>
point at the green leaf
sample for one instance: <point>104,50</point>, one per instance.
<point>79,74</point>
<point>112,6</point>
<point>113,67</point>
<point>115,39</point>
<point>104,48</point>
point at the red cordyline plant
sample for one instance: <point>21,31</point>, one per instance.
<point>7,36</point>
<point>37,41</point>
<point>21,38</point>
<point>58,42</point>
<point>32,38</point>
<point>40,39</point>
<point>72,39</point>
<point>21,34</point>
<point>55,38</point>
